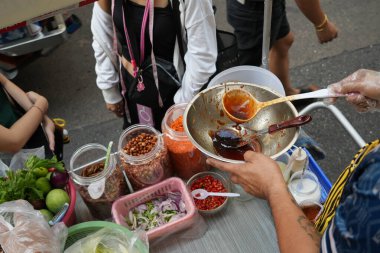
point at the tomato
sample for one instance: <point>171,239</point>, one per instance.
<point>52,169</point>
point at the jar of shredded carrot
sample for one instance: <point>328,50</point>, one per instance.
<point>186,159</point>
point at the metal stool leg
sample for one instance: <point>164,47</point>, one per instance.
<point>340,117</point>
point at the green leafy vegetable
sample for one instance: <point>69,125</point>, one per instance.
<point>36,162</point>
<point>19,184</point>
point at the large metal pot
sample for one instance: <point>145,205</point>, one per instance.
<point>204,114</point>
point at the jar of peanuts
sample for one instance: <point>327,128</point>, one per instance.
<point>187,160</point>
<point>144,156</point>
<point>99,184</point>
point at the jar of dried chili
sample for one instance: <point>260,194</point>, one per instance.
<point>98,184</point>
<point>187,160</point>
<point>144,156</point>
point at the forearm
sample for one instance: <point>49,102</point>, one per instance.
<point>17,94</point>
<point>294,231</point>
<point>312,10</point>
<point>14,138</point>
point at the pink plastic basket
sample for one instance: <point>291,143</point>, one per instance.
<point>121,207</point>
<point>70,218</point>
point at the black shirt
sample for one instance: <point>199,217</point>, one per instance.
<point>164,30</point>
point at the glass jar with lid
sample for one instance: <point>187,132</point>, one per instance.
<point>144,156</point>
<point>99,186</point>
<point>187,160</point>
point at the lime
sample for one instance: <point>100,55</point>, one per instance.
<point>47,214</point>
<point>43,184</point>
<point>55,200</point>
<point>40,171</point>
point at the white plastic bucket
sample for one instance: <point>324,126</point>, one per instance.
<point>249,74</point>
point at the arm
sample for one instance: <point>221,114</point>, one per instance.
<point>292,226</point>
<point>26,101</point>
<point>201,52</point>
<point>16,93</point>
<point>107,78</point>
<point>262,177</point>
<point>312,10</point>
<point>13,139</point>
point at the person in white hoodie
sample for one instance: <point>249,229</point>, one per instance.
<point>194,66</point>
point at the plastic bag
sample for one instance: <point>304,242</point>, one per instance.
<point>3,169</point>
<point>24,230</point>
<point>18,160</point>
<point>362,90</point>
<point>108,240</point>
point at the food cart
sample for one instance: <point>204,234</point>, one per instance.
<point>242,227</point>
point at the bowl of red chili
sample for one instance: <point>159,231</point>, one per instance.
<point>212,182</point>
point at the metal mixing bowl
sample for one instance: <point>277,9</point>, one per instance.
<point>204,114</point>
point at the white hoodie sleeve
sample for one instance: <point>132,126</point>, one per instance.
<point>202,50</point>
<point>107,77</point>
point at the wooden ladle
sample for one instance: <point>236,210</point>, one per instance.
<point>240,106</point>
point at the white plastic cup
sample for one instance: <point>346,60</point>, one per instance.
<point>305,187</point>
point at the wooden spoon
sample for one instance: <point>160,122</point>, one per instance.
<point>240,106</point>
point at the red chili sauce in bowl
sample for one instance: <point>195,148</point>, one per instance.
<point>210,184</point>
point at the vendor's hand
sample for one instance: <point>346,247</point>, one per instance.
<point>328,33</point>
<point>362,89</point>
<point>49,128</point>
<point>117,108</point>
<point>259,175</point>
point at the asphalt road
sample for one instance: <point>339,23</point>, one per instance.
<point>67,78</point>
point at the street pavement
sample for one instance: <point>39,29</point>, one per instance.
<point>67,78</point>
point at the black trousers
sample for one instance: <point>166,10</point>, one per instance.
<point>248,20</point>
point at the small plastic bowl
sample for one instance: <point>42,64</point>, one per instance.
<point>221,178</point>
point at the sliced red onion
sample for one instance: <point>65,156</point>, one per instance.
<point>157,212</point>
